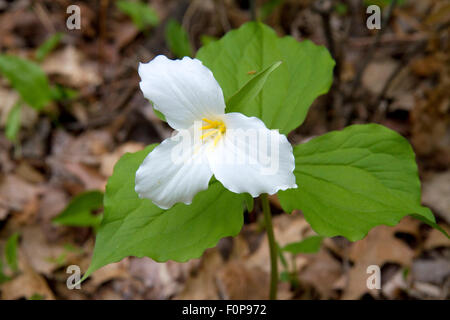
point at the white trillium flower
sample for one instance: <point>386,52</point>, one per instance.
<point>238,150</point>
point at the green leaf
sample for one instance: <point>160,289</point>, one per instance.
<point>11,251</point>
<point>142,15</point>
<point>13,122</point>
<point>28,79</point>
<point>177,39</point>
<point>206,39</point>
<point>285,276</point>
<point>79,212</point>
<point>431,223</point>
<point>249,202</point>
<point>251,89</point>
<point>49,44</point>
<point>306,73</point>
<point>281,256</point>
<point>37,296</point>
<point>352,180</point>
<point>63,93</point>
<point>159,114</point>
<point>136,227</point>
<point>309,245</point>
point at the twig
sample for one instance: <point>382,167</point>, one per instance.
<point>187,18</point>
<point>253,14</point>
<point>370,52</point>
<point>221,12</point>
<point>417,48</point>
<point>44,17</point>
<point>387,40</point>
<point>324,9</point>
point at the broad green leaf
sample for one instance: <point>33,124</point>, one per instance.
<point>28,79</point>
<point>142,15</point>
<point>13,122</point>
<point>309,245</point>
<point>11,251</point>
<point>305,73</point>
<point>251,89</point>
<point>352,180</point>
<point>79,212</point>
<point>136,227</point>
<point>49,44</point>
<point>177,39</point>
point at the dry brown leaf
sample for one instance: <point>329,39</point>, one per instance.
<point>436,194</point>
<point>376,74</point>
<point>434,271</point>
<point>86,148</point>
<point>118,270</point>
<point>71,68</point>
<point>392,288</point>
<point>25,171</point>
<point>321,271</point>
<point>287,229</point>
<point>9,98</point>
<point>437,239</point>
<point>89,177</point>
<point>202,285</point>
<point>377,248</point>
<point>238,282</point>
<point>161,280</point>
<point>16,193</point>
<point>41,254</point>
<point>26,284</point>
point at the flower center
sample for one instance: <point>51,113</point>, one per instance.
<point>216,129</point>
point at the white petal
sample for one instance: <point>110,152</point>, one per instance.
<point>175,171</point>
<point>183,90</point>
<point>251,158</point>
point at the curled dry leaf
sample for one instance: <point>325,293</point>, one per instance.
<point>71,69</point>
<point>16,194</point>
<point>27,284</point>
<point>379,247</point>
<point>202,286</point>
<point>436,193</point>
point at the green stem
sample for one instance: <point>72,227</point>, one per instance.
<point>272,247</point>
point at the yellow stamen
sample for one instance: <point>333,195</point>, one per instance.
<point>209,121</point>
<point>208,134</point>
<point>217,138</point>
<point>218,131</point>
